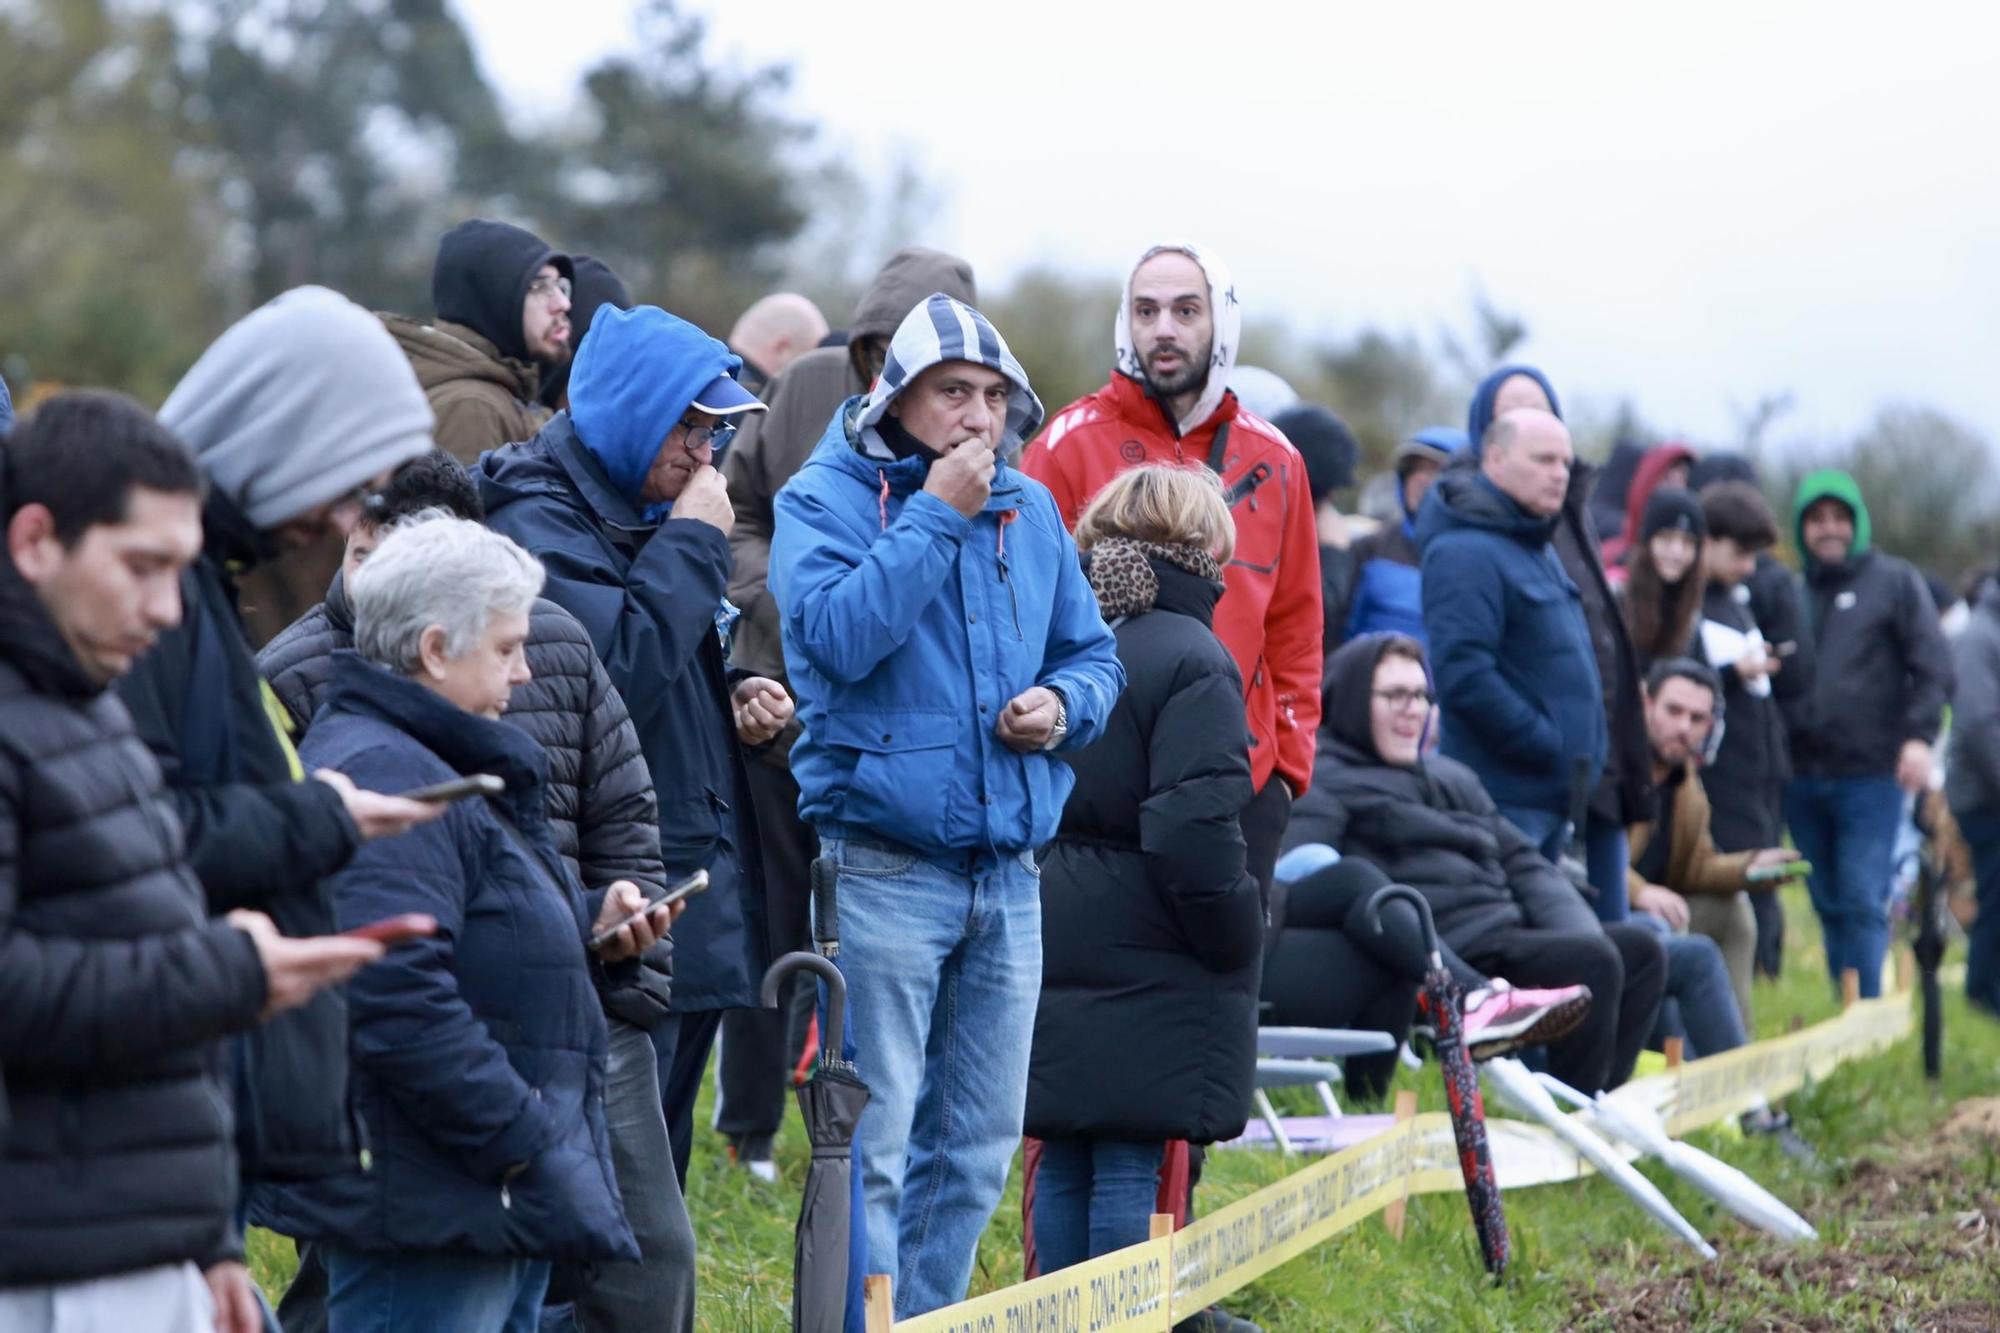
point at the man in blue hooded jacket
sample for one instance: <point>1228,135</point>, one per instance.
<point>1516,674</point>
<point>620,500</point>
<point>943,641</point>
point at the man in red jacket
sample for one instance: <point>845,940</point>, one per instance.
<point>1169,401</point>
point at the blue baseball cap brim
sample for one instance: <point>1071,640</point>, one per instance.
<point>723,396</point>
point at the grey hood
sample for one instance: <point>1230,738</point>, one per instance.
<point>911,274</point>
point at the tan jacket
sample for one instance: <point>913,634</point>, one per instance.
<point>1693,864</point>
<point>482,399</point>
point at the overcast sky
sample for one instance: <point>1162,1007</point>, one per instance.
<point>1694,204</point>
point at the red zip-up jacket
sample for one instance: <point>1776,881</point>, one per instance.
<point>1269,615</point>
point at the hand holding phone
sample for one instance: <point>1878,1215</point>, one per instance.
<point>1781,870</point>
<point>686,888</point>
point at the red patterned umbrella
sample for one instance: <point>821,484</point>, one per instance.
<point>1441,1002</point>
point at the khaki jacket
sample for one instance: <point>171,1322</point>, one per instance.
<point>482,399</point>
<point>1694,866</point>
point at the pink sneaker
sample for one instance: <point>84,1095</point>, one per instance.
<point>1500,1020</point>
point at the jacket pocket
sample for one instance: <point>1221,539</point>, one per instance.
<point>690,826</point>
<point>901,770</point>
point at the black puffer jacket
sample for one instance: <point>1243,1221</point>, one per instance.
<point>258,835</point>
<point>113,986</point>
<point>601,810</point>
<point>1151,927</point>
<point>1431,826</point>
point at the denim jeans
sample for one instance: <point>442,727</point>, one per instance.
<point>1982,962</point>
<point>439,1293</point>
<point>1847,828</point>
<point>944,968</point>
<point>1605,853</point>
<point>1093,1196</point>
<point>1700,1004</point>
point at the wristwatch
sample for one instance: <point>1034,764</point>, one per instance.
<point>1061,728</point>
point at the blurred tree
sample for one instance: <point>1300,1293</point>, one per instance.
<point>1060,328</point>
<point>107,262</point>
<point>681,177</point>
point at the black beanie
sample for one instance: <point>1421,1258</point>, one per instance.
<point>1325,442</point>
<point>594,287</point>
<point>482,275</point>
<point>1672,507</point>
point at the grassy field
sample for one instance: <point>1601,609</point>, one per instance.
<point>1905,1190</point>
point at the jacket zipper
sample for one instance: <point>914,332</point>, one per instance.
<point>1013,599</point>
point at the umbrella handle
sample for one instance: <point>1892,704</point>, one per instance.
<point>1415,900</point>
<point>836,992</point>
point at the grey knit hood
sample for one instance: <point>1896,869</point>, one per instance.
<point>298,403</point>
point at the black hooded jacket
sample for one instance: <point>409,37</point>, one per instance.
<point>481,279</point>
<point>257,836</point>
<point>1431,826</point>
<point>1151,926</point>
<point>114,988</point>
<point>1625,793</point>
<point>602,814</point>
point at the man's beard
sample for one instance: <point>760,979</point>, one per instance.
<point>1192,377</point>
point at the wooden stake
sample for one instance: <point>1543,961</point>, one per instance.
<point>1850,987</point>
<point>1161,1226</point>
<point>878,1302</point>
<point>1406,1107</point>
<point>1676,1051</point>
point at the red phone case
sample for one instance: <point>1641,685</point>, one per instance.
<point>396,929</point>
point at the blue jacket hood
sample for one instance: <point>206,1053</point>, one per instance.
<point>1480,415</point>
<point>633,380</point>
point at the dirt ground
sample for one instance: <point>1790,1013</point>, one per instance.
<point>1910,1241</point>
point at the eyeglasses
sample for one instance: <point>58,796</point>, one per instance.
<point>716,438</point>
<point>1400,700</point>
<point>541,288</point>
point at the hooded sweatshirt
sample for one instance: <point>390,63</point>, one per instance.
<point>1645,481</point>
<point>298,404</point>
<point>1479,415</point>
<point>1271,617</point>
<point>773,445</point>
<point>908,626</point>
<point>481,280</point>
<point>1883,671</point>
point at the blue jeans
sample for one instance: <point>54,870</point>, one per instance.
<point>1093,1196</point>
<point>944,969</point>
<point>1700,1004</point>
<point>1982,962</point>
<point>1605,853</point>
<point>439,1293</point>
<point>1847,828</point>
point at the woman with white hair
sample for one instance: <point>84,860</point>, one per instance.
<point>478,1051</point>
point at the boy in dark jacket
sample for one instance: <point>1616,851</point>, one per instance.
<point>1388,590</point>
<point>1883,676</point>
<point>117,1182</point>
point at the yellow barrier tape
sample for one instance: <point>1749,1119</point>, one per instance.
<point>1152,1285</point>
<point>1122,1292</point>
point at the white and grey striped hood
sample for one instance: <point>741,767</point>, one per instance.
<point>943,329</point>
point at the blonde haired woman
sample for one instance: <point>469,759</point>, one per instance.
<point>1152,926</point>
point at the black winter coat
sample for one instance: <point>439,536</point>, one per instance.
<point>601,810</point>
<point>114,987</point>
<point>479,1053</point>
<point>257,836</point>
<point>649,593</point>
<point>1882,667</point>
<point>1151,927</point>
<point>1746,780</point>
<point>1625,793</point>
<point>1434,828</point>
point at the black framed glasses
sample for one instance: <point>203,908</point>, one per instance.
<point>716,438</point>
<point>1400,700</point>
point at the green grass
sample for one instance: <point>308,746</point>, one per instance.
<point>1896,1212</point>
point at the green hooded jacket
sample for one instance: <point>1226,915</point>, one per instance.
<point>1832,484</point>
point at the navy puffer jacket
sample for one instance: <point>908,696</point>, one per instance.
<point>478,1055</point>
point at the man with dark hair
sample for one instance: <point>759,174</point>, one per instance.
<point>502,298</point>
<point>1677,872</point>
<point>604,822</point>
<point>117,1180</point>
<point>1883,679</point>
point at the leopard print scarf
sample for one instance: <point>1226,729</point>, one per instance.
<point>1124,581</point>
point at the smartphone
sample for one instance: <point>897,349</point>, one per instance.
<point>479,784</point>
<point>687,888</point>
<point>396,929</point>
<point>1784,870</point>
